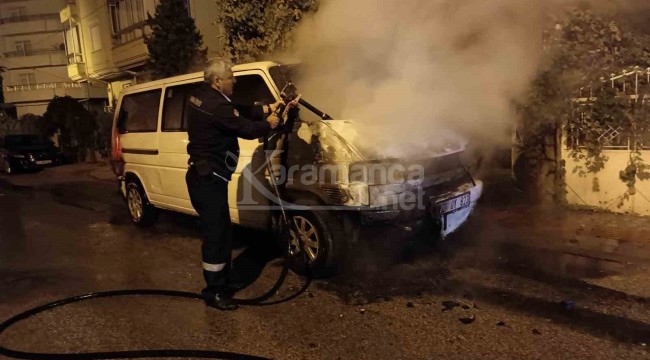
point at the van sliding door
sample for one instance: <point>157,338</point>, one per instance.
<point>173,148</point>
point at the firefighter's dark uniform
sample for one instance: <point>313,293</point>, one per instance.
<point>213,126</point>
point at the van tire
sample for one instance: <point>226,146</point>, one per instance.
<point>327,232</point>
<point>141,212</point>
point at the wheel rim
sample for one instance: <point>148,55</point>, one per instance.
<point>135,204</point>
<point>306,235</point>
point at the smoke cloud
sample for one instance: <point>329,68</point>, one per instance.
<point>418,75</point>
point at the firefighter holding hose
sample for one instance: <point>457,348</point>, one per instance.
<point>213,126</point>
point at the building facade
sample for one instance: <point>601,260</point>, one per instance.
<point>33,52</point>
<point>104,39</point>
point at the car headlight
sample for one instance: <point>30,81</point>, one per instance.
<point>358,194</point>
<point>384,195</point>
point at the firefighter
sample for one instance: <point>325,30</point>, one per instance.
<point>213,126</point>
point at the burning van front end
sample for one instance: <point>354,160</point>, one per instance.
<point>437,191</point>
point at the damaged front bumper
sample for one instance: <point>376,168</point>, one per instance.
<point>447,211</point>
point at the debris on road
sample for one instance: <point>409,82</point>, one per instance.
<point>501,323</point>
<point>450,305</point>
<point>467,320</point>
<point>568,305</point>
<point>536,332</point>
<point>311,295</point>
<point>362,311</point>
<point>410,304</point>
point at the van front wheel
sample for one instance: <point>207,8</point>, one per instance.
<point>142,213</point>
<point>320,235</point>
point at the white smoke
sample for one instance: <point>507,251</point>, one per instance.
<point>416,74</point>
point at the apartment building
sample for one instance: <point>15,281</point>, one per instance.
<point>33,51</point>
<point>104,39</point>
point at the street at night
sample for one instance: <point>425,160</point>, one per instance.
<point>575,290</point>
<point>324,179</point>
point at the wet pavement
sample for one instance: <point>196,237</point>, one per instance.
<point>515,282</point>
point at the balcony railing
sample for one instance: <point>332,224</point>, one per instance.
<point>32,52</point>
<point>22,18</point>
<point>43,86</point>
<point>130,33</point>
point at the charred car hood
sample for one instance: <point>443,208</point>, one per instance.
<point>345,136</point>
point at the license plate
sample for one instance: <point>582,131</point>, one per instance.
<point>43,162</point>
<point>454,204</point>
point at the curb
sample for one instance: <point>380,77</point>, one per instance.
<point>90,175</point>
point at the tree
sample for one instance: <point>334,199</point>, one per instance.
<point>259,27</point>
<point>175,43</point>
<point>580,47</point>
<point>75,124</point>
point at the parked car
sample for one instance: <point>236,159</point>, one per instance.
<point>149,156</point>
<point>27,153</point>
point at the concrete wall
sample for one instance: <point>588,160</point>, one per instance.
<point>38,108</point>
<point>612,189</point>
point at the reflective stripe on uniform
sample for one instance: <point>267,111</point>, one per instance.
<point>224,179</point>
<point>213,267</point>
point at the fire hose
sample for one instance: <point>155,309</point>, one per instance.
<point>283,234</point>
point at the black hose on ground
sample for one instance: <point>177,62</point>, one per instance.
<point>116,354</point>
<point>258,301</point>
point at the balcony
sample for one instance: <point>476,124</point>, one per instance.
<point>77,71</point>
<point>24,18</point>
<point>71,11</point>
<point>131,54</point>
<point>46,91</point>
<point>32,58</point>
<point>28,24</point>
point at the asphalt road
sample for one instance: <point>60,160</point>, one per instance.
<point>69,239</point>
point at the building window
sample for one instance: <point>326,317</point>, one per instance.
<point>95,37</point>
<point>115,19</point>
<point>73,45</point>
<point>128,18</point>
<point>27,78</point>
<point>23,46</point>
<point>18,13</point>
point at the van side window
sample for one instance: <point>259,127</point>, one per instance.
<point>251,89</point>
<point>174,107</point>
<point>139,112</point>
